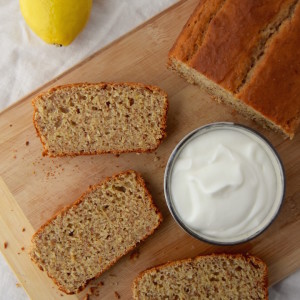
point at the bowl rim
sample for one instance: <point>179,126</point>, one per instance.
<point>172,159</point>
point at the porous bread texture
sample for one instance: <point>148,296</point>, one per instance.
<point>245,55</point>
<point>100,118</point>
<point>217,276</point>
<point>85,239</point>
<point>221,95</point>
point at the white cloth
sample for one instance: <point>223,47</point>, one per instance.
<point>26,63</point>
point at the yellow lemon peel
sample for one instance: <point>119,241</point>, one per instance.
<point>55,21</point>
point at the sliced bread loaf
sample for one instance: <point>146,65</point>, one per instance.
<point>99,118</point>
<point>245,55</point>
<point>221,276</point>
<point>85,239</point>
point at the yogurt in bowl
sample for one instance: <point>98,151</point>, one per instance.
<point>224,183</point>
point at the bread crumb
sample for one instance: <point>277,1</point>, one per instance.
<point>94,291</point>
<point>27,143</point>
<point>5,245</point>
<point>18,284</point>
<point>23,248</point>
<point>23,229</point>
<point>10,125</point>
<point>19,253</point>
<point>156,158</point>
<point>15,156</point>
<point>134,255</point>
<point>117,295</point>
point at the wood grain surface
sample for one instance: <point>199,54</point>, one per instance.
<point>33,187</point>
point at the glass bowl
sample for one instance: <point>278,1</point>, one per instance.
<point>220,238</point>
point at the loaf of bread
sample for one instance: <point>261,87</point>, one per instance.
<point>247,54</point>
<point>221,276</point>
<point>99,118</point>
<point>85,239</point>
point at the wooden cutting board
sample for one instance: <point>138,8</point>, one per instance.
<point>33,187</point>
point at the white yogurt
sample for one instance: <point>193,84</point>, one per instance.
<point>226,184</point>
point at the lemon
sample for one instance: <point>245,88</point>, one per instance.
<point>56,21</point>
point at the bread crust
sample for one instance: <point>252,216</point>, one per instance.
<point>249,258</point>
<point>252,52</point>
<point>279,71</point>
<point>102,85</point>
<point>91,188</point>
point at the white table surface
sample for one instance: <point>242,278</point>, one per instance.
<point>26,63</point>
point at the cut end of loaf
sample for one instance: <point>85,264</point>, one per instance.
<point>100,118</point>
<point>105,223</point>
<point>218,276</point>
<point>245,55</point>
<point>221,95</point>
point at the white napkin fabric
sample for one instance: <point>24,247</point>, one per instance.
<point>26,63</point>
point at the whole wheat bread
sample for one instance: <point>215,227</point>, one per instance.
<point>247,55</point>
<point>99,118</point>
<point>217,276</point>
<point>85,239</point>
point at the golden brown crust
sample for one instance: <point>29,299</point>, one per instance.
<point>247,257</point>
<point>193,31</point>
<point>221,37</point>
<point>279,71</point>
<point>80,200</point>
<point>102,85</point>
<point>251,51</point>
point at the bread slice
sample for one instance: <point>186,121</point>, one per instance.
<point>245,55</point>
<point>99,118</point>
<point>85,239</point>
<point>217,276</point>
